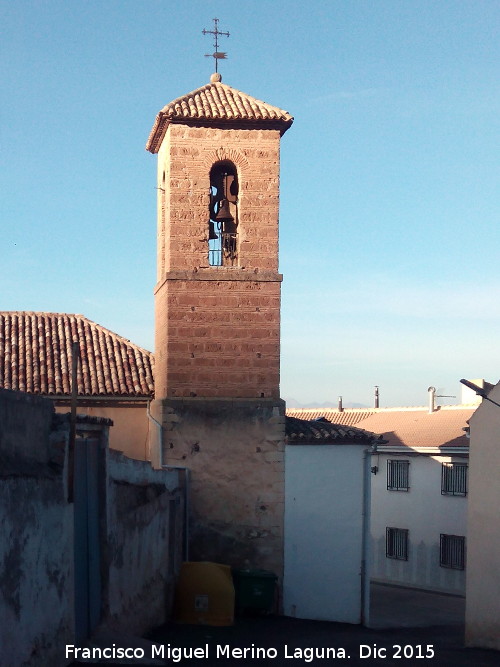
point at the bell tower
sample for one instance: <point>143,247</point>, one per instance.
<point>217,330</point>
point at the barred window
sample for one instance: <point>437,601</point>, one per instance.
<point>454,479</point>
<point>398,475</point>
<point>452,552</point>
<point>396,543</point>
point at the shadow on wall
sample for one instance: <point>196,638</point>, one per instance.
<point>126,513</point>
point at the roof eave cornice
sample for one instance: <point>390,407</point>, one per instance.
<point>157,133</point>
<point>86,400</point>
<point>434,451</point>
<point>163,120</point>
<point>345,440</point>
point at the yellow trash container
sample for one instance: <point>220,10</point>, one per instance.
<point>204,594</point>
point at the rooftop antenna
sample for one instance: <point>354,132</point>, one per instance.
<point>217,55</point>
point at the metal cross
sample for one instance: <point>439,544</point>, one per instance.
<point>217,55</point>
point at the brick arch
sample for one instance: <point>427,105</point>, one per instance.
<point>220,154</point>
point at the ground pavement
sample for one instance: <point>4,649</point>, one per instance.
<point>409,628</point>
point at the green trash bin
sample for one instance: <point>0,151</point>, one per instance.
<point>254,591</point>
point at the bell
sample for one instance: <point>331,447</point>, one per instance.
<point>229,226</point>
<point>211,231</point>
<point>224,214</point>
<point>230,188</point>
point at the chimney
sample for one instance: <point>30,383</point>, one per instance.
<point>341,409</point>
<point>469,395</point>
<point>376,396</point>
<point>432,399</point>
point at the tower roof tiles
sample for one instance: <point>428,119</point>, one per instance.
<point>217,103</point>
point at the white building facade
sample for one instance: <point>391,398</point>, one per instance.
<point>419,498</point>
<point>482,610</point>
<point>419,526</point>
<point>419,493</point>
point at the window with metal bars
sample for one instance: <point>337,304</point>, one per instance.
<point>396,543</point>
<point>454,479</point>
<point>452,552</point>
<point>398,475</point>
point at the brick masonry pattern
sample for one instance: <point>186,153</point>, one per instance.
<point>217,338</point>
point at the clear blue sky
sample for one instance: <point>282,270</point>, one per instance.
<point>390,234</point>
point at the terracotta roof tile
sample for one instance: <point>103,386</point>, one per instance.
<point>35,357</point>
<point>323,432</point>
<point>418,428</point>
<point>216,102</point>
<point>347,417</point>
<point>402,427</point>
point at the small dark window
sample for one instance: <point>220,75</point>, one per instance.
<point>452,552</point>
<point>223,216</point>
<point>398,475</point>
<point>396,543</point>
<point>454,479</point>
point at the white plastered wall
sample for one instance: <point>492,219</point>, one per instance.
<point>323,532</point>
<point>482,614</point>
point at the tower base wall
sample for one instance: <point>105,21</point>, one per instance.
<point>234,450</point>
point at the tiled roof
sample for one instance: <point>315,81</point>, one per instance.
<point>216,102</point>
<point>417,428</point>
<point>346,417</point>
<point>402,427</point>
<point>35,357</point>
<point>300,431</point>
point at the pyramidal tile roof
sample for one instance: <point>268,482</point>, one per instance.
<point>35,357</point>
<point>213,103</point>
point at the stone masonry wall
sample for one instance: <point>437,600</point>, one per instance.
<point>234,451</point>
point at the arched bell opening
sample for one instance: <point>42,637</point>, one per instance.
<point>223,215</point>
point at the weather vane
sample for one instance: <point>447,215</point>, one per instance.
<point>217,55</point>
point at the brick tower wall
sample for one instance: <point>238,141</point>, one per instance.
<point>217,345</point>
<point>217,328</point>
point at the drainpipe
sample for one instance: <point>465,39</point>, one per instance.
<point>365,540</point>
<point>186,481</point>
<point>432,399</point>
<point>160,439</point>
